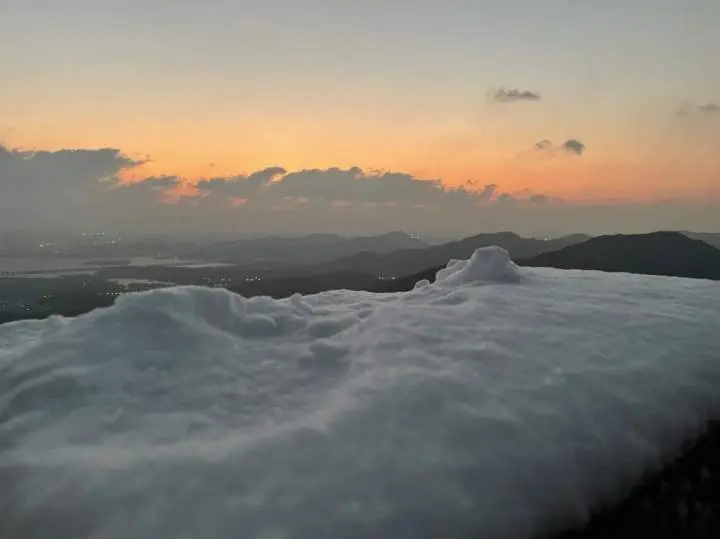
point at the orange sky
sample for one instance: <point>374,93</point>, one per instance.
<point>627,160</point>
<point>234,87</point>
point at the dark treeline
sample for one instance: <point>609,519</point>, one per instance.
<point>678,500</point>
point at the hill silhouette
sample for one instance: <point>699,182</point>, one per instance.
<point>658,253</point>
<point>312,249</point>
<point>408,261</point>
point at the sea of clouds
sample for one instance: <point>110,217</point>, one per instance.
<point>496,402</point>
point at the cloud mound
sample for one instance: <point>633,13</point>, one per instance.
<point>464,408</point>
<point>488,264</point>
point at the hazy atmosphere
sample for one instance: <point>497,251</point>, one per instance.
<point>350,269</point>
<point>360,117</point>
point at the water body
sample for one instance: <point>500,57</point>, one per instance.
<point>55,267</point>
<point>58,264</point>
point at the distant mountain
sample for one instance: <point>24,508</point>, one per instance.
<point>572,239</point>
<point>287,286</point>
<point>408,261</point>
<point>658,253</point>
<point>308,250</point>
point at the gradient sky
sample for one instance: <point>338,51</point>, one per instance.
<point>220,88</point>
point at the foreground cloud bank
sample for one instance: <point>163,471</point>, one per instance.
<point>492,403</point>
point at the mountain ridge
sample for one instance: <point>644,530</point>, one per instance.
<point>407,261</point>
<point>662,253</point>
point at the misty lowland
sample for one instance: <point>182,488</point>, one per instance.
<point>205,385</point>
<point>75,274</point>
<point>322,269</point>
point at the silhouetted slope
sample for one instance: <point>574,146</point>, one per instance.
<point>409,261</point>
<point>708,237</point>
<point>658,253</point>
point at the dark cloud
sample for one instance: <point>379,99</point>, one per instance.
<point>512,95</point>
<point>569,147</point>
<point>91,189</point>
<point>352,186</point>
<point>709,108</point>
<point>62,169</point>
<point>42,187</point>
<point>240,186</point>
<point>539,199</point>
<point>484,193</point>
<point>573,146</point>
<point>687,110</point>
<point>525,198</point>
<point>157,183</point>
<point>121,202</point>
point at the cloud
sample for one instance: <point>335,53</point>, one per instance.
<point>240,186</point>
<point>569,147</point>
<point>687,110</point>
<point>82,189</point>
<point>526,198</point>
<point>692,132</point>
<point>573,146</point>
<point>540,199</point>
<point>709,108</point>
<point>158,182</point>
<point>513,95</point>
<point>351,186</point>
<point>60,169</point>
<point>38,188</point>
<point>90,189</point>
<point>485,193</point>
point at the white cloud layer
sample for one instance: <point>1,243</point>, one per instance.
<point>483,405</point>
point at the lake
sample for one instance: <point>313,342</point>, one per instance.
<point>55,267</point>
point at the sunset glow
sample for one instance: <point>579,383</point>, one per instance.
<point>471,94</point>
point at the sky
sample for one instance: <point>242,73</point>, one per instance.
<point>535,116</point>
